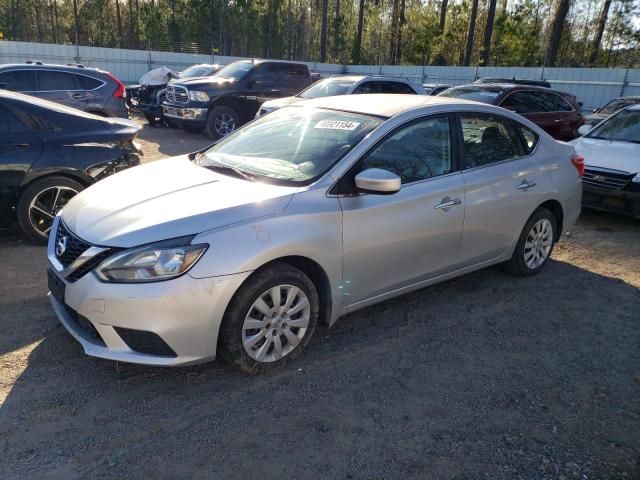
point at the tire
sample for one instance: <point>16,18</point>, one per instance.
<point>192,128</point>
<point>221,122</point>
<point>151,119</point>
<point>530,257</point>
<point>38,204</point>
<point>242,346</point>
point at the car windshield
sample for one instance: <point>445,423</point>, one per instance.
<point>291,146</point>
<point>235,71</point>
<point>327,88</point>
<point>195,71</point>
<point>623,127</point>
<point>475,94</point>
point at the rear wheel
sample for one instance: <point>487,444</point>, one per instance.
<point>41,201</point>
<point>534,246</point>
<point>270,319</point>
<point>221,122</point>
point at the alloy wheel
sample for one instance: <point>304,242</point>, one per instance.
<point>538,244</point>
<point>45,206</point>
<point>276,323</point>
<point>225,124</point>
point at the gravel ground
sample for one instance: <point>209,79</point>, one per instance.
<point>486,376</point>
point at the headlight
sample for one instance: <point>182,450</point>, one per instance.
<point>151,263</point>
<point>636,179</point>
<point>198,96</point>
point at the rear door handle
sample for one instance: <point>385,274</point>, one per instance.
<point>79,96</point>
<point>526,185</point>
<point>448,203</point>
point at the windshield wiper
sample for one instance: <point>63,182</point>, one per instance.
<point>222,168</point>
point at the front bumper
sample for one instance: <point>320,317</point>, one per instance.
<point>625,202</point>
<point>125,322</point>
<point>191,114</point>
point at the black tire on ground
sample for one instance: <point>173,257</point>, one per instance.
<point>230,338</point>
<point>151,119</point>
<point>217,114</point>
<point>517,265</point>
<point>192,128</point>
<point>33,191</point>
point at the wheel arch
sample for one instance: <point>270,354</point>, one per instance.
<point>555,207</point>
<point>316,274</point>
<point>69,173</point>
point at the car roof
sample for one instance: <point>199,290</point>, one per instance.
<point>49,66</point>
<point>381,104</point>
<point>258,61</point>
<point>361,78</point>
<point>512,87</point>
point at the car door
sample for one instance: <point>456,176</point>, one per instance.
<point>61,87</point>
<point>392,241</point>
<point>19,149</point>
<point>500,176</point>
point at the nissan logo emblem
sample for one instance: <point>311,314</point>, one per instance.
<point>61,246</point>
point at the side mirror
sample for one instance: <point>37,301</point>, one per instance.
<point>584,129</point>
<point>378,181</point>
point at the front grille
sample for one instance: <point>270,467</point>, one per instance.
<point>606,179</point>
<point>145,342</point>
<point>82,323</point>
<point>177,94</point>
<point>74,247</point>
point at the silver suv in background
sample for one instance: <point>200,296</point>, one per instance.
<point>88,89</point>
<point>346,85</point>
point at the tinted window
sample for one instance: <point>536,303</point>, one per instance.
<point>561,105</point>
<point>536,102</point>
<point>396,87</point>
<point>520,102</point>
<point>418,151</point>
<point>236,71</point>
<point>488,139</point>
<point>367,87</point>
<point>49,80</point>
<point>88,83</point>
<point>475,94</point>
<point>17,81</point>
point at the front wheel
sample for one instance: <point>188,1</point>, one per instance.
<point>534,246</point>
<point>270,319</point>
<point>221,122</point>
<point>41,201</point>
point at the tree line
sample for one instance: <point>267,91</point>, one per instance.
<point>571,33</point>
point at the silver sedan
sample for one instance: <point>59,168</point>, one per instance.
<point>314,211</point>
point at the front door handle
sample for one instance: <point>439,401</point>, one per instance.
<point>79,96</point>
<point>526,185</point>
<point>447,203</point>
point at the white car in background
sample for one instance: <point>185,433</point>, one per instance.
<point>611,150</point>
<point>346,85</point>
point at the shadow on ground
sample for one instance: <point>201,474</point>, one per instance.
<point>485,376</point>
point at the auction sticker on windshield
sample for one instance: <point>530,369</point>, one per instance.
<point>337,125</point>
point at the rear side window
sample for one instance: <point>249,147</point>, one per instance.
<point>88,83</point>
<point>17,81</point>
<point>396,87</point>
<point>488,139</point>
<point>536,102</point>
<point>367,87</point>
<point>529,138</point>
<point>50,80</point>
<point>561,105</point>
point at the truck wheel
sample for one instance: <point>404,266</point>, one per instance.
<point>221,122</point>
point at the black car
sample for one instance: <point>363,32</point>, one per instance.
<point>220,104</point>
<point>49,152</point>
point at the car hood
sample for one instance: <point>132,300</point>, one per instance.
<point>208,84</point>
<point>281,102</point>
<point>621,156</point>
<point>166,199</point>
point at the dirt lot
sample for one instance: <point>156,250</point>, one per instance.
<point>486,376</point>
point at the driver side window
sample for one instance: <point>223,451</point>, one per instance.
<point>415,152</point>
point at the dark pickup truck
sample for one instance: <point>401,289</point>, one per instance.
<point>220,104</point>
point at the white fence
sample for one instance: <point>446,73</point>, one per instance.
<point>593,86</point>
